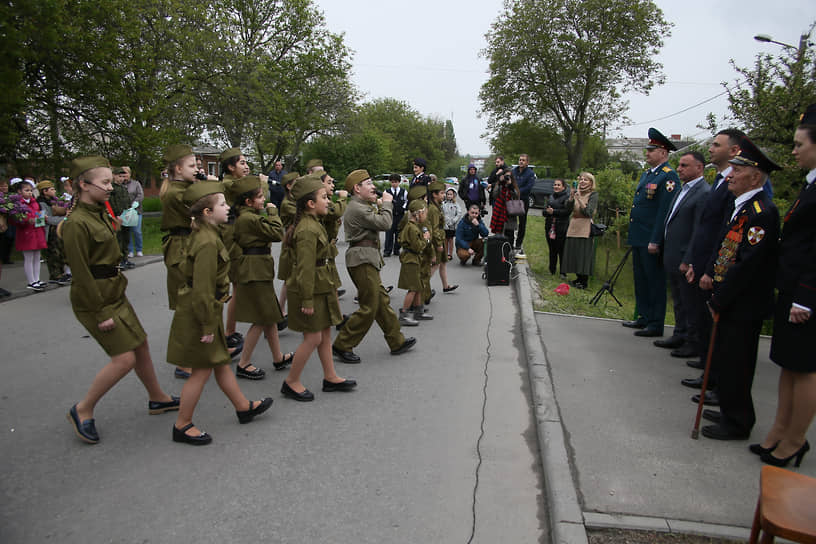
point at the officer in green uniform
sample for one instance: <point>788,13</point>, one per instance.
<point>363,222</point>
<point>175,220</point>
<point>98,296</point>
<point>647,219</point>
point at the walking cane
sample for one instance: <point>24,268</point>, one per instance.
<point>695,432</point>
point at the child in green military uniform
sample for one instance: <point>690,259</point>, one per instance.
<point>413,240</point>
<point>437,220</point>
<point>197,332</point>
<point>287,213</point>
<point>98,296</point>
<point>255,300</point>
<point>312,294</point>
<point>420,192</point>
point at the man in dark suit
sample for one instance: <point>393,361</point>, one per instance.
<point>684,215</point>
<point>741,279</point>
<point>647,219</point>
<point>400,202</point>
<point>702,251</point>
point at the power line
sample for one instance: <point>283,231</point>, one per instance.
<point>684,110</point>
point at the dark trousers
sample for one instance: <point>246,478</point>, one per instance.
<point>477,246</point>
<point>681,304</point>
<point>522,221</point>
<point>556,251</point>
<point>391,237</point>
<point>123,237</point>
<point>375,305</point>
<point>6,245</point>
<point>704,323</point>
<point>735,350</point>
<point>650,288</point>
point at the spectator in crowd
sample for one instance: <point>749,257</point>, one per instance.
<point>451,212</point>
<point>525,180</point>
<point>558,218</point>
<point>7,234</point>
<point>469,233</point>
<point>276,190</point>
<point>134,188</point>
<point>420,177</point>
<point>493,178</point>
<point>120,201</point>
<point>400,195</point>
<point>794,327</point>
<point>30,234</point>
<point>500,222</point>
<point>579,248</point>
<point>55,211</point>
<point>470,189</point>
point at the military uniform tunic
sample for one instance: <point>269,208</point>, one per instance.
<point>199,311</point>
<point>90,242</point>
<point>647,219</point>
<point>310,284</point>
<point>288,210</point>
<point>175,215</point>
<point>363,222</point>
<point>255,299</point>
<point>331,222</point>
<point>413,244</point>
<point>227,230</point>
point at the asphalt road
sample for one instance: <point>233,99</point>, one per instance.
<point>436,445</point>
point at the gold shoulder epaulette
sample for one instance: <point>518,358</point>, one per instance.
<point>757,206</point>
<point>666,169</point>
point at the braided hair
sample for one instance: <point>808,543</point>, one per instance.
<point>301,209</point>
<point>76,190</point>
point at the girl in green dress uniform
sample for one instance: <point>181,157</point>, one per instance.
<point>175,221</point>
<point>413,239</point>
<point>255,300</point>
<point>197,331</point>
<point>287,212</point>
<point>312,294</point>
<point>98,296</point>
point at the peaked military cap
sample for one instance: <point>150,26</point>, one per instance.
<point>357,176</point>
<point>176,152</point>
<point>230,153</point>
<point>809,117</point>
<point>751,155</point>
<point>199,190</point>
<point>83,164</point>
<point>420,162</point>
<point>656,139</point>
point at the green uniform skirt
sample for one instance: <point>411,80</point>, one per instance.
<point>127,335</point>
<point>326,312</point>
<point>257,303</point>
<point>409,278</point>
<point>184,346</point>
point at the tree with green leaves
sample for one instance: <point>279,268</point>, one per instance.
<point>564,64</point>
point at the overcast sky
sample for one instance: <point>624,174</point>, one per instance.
<point>426,52</point>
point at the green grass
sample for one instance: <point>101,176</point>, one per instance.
<point>151,235</point>
<point>607,257</point>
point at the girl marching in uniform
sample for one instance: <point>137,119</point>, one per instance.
<point>287,212</point>
<point>413,240</point>
<point>197,331</point>
<point>98,296</point>
<point>312,294</point>
<point>256,302</point>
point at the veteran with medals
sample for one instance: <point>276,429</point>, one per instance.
<point>741,278</point>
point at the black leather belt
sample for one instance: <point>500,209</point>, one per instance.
<point>257,250</point>
<point>100,272</point>
<point>365,243</point>
<point>321,262</point>
<point>180,231</point>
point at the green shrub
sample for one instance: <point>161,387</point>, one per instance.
<point>151,204</point>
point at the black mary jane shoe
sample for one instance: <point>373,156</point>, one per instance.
<point>346,385</point>
<point>180,435</point>
<point>161,407</point>
<point>303,396</point>
<point>449,288</point>
<point>257,374</point>
<point>85,430</point>
<point>757,449</point>
<point>245,416</point>
<point>286,361</point>
<point>768,458</point>
<point>181,374</point>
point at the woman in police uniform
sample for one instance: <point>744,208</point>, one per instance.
<point>311,290</point>
<point>98,296</point>
<point>197,332</point>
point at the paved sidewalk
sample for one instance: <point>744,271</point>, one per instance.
<point>621,420</point>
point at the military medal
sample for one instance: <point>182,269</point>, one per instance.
<point>755,235</point>
<point>670,185</point>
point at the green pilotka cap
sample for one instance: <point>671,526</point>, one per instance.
<point>197,191</point>
<point>176,152</point>
<point>83,164</point>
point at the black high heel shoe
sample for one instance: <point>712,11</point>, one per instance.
<point>775,461</point>
<point>757,449</point>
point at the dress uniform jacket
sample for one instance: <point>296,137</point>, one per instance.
<point>310,284</point>
<point>437,223</point>
<point>175,215</point>
<point>792,344</point>
<point>743,273</point>
<point>331,222</point>
<point>255,300</point>
<point>653,196</point>
<point>363,222</point>
<point>200,302</point>
<point>92,251</point>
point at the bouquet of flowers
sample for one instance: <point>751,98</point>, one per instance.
<point>12,205</point>
<point>63,201</point>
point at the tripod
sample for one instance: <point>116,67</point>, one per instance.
<point>609,285</point>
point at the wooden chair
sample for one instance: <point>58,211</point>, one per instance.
<point>786,507</point>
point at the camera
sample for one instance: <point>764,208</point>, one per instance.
<point>201,176</point>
